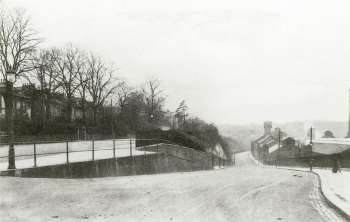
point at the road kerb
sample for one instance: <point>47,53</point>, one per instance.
<point>328,201</point>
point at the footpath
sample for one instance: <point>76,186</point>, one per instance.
<point>334,186</point>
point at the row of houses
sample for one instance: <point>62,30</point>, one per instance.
<point>28,102</point>
<point>276,145</point>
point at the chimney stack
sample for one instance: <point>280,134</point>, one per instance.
<point>267,128</point>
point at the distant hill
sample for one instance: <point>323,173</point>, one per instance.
<point>243,134</point>
<point>232,145</point>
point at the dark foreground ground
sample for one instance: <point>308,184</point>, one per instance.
<point>242,193</point>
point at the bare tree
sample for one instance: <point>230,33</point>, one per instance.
<point>153,100</point>
<point>83,80</point>
<point>45,76</point>
<point>68,66</point>
<point>18,42</point>
<point>100,83</point>
<point>122,94</point>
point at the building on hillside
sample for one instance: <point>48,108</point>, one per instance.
<point>171,121</point>
<point>219,151</point>
<point>21,103</point>
<point>28,103</point>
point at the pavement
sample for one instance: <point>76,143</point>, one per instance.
<point>103,149</point>
<point>334,186</point>
<point>246,193</point>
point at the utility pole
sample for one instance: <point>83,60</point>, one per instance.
<point>112,128</point>
<point>279,146</point>
<point>234,158</point>
<point>311,143</point>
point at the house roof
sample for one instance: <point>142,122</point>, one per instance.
<point>256,140</point>
<point>273,148</point>
<point>265,140</point>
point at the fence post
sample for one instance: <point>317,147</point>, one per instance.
<point>93,150</point>
<point>67,152</point>
<point>209,160</point>
<point>212,161</point>
<point>114,148</point>
<point>234,159</point>
<point>130,147</point>
<point>34,155</point>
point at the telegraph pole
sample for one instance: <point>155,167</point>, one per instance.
<point>112,128</point>
<point>279,146</point>
<point>311,143</point>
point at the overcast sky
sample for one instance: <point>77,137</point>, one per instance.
<point>232,61</point>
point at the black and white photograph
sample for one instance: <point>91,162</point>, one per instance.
<point>184,111</point>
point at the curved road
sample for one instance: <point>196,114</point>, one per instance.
<point>243,193</point>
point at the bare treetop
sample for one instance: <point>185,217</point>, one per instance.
<point>101,83</point>
<point>18,42</point>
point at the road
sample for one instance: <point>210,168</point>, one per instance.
<point>245,193</point>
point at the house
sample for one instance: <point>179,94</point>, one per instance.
<point>219,151</point>
<point>263,142</point>
<point>288,148</point>
<point>273,145</point>
<point>21,103</point>
<point>171,120</point>
<point>28,104</point>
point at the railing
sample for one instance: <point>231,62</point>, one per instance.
<point>43,153</point>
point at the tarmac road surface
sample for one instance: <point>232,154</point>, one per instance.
<point>245,193</point>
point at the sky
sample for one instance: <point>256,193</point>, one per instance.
<point>234,62</point>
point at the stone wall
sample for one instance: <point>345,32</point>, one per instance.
<point>169,158</point>
<point>195,157</point>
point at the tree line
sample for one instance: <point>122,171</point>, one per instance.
<point>82,75</point>
<point>75,74</point>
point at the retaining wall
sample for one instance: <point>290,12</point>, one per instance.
<point>123,166</point>
<point>196,156</point>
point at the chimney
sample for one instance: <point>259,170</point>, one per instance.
<point>267,127</point>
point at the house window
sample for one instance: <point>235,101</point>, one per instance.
<point>2,105</point>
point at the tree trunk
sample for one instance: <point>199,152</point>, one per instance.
<point>83,108</point>
<point>69,110</point>
<point>95,115</point>
<point>48,108</point>
<point>42,110</point>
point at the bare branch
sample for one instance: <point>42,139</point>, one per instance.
<point>18,43</point>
